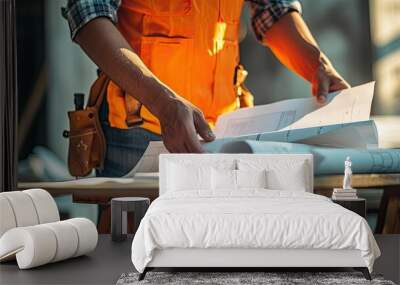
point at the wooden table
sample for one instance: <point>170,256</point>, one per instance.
<point>388,217</point>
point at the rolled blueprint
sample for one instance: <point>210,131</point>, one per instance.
<point>327,160</point>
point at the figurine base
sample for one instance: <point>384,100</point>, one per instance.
<point>344,190</point>
<point>344,194</point>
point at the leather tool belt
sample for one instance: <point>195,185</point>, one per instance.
<point>87,144</point>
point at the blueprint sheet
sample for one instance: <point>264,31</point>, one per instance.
<point>346,106</point>
<point>342,121</point>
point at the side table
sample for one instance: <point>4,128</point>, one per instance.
<point>357,206</point>
<point>119,218</point>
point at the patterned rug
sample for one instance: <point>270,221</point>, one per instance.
<point>244,278</point>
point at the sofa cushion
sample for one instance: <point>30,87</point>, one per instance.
<point>41,244</point>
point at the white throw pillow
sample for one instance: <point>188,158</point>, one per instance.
<point>292,177</point>
<point>288,175</point>
<point>223,179</point>
<point>183,177</point>
<point>251,178</point>
<point>228,179</point>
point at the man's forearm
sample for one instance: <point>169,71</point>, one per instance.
<point>106,46</point>
<point>293,44</point>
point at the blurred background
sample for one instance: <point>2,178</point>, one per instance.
<point>362,39</point>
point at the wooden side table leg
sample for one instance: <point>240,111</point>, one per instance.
<point>392,219</point>
<point>397,224</point>
<point>117,222</point>
<point>103,227</point>
<point>382,211</point>
<point>131,223</point>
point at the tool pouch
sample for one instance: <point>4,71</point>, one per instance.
<point>87,144</point>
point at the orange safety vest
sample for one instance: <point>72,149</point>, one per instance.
<point>190,45</point>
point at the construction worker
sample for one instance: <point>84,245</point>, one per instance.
<point>173,62</point>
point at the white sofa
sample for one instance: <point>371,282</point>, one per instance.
<point>31,231</point>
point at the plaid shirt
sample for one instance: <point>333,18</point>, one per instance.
<point>264,13</point>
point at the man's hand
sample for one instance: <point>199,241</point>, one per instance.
<point>180,123</point>
<point>326,79</point>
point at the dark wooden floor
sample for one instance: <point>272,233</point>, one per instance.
<point>110,260</point>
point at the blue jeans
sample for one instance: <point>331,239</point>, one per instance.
<point>125,147</point>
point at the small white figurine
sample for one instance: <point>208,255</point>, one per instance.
<point>347,174</point>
